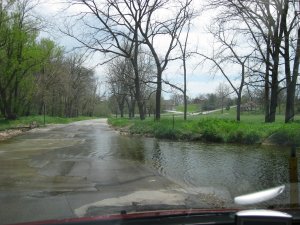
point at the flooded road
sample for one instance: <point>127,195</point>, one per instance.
<point>86,169</point>
<point>77,170</point>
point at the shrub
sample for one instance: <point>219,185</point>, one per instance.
<point>210,134</point>
<point>166,133</point>
<point>235,136</point>
<point>251,138</point>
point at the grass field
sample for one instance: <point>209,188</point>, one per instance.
<point>26,121</point>
<point>255,117</point>
<point>190,108</point>
<point>216,127</point>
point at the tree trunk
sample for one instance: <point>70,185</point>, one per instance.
<point>133,108</point>
<point>2,106</point>
<point>185,106</point>
<point>184,89</point>
<point>274,91</point>
<point>158,96</point>
<point>129,108</point>
<point>122,112</point>
<point>6,108</point>
<point>289,111</point>
<point>2,110</point>
<point>238,107</point>
<point>274,84</point>
<point>267,96</point>
<point>138,97</point>
<point>8,112</point>
<point>239,94</point>
<point>291,86</point>
<point>141,110</point>
<point>273,103</point>
<point>267,86</point>
<point>277,45</point>
<point>122,106</point>
<point>222,105</point>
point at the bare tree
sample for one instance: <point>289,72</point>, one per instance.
<point>185,55</point>
<point>226,54</point>
<point>171,28</point>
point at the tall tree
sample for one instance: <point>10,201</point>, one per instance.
<point>291,75</point>
<point>19,57</point>
<point>228,53</point>
<point>154,26</point>
<point>184,56</point>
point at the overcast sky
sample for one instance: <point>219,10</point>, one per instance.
<point>199,80</point>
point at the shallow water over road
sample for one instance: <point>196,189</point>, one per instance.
<point>46,153</point>
<point>61,164</point>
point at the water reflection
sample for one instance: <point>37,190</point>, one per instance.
<point>157,159</point>
<point>239,169</point>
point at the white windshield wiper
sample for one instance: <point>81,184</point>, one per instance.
<point>260,196</point>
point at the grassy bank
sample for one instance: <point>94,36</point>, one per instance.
<point>214,129</point>
<point>39,120</point>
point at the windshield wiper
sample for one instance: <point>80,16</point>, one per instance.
<point>260,196</point>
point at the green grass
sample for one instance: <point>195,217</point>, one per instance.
<point>25,121</point>
<point>190,108</point>
<point>217,127</point>
<point>251,117</point>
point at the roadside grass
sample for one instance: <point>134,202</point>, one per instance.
<point>216,127</point>
<point>39,120</point>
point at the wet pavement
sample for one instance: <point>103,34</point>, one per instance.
<point>76,170</point>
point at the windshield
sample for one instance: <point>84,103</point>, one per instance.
<point>111,107</point>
